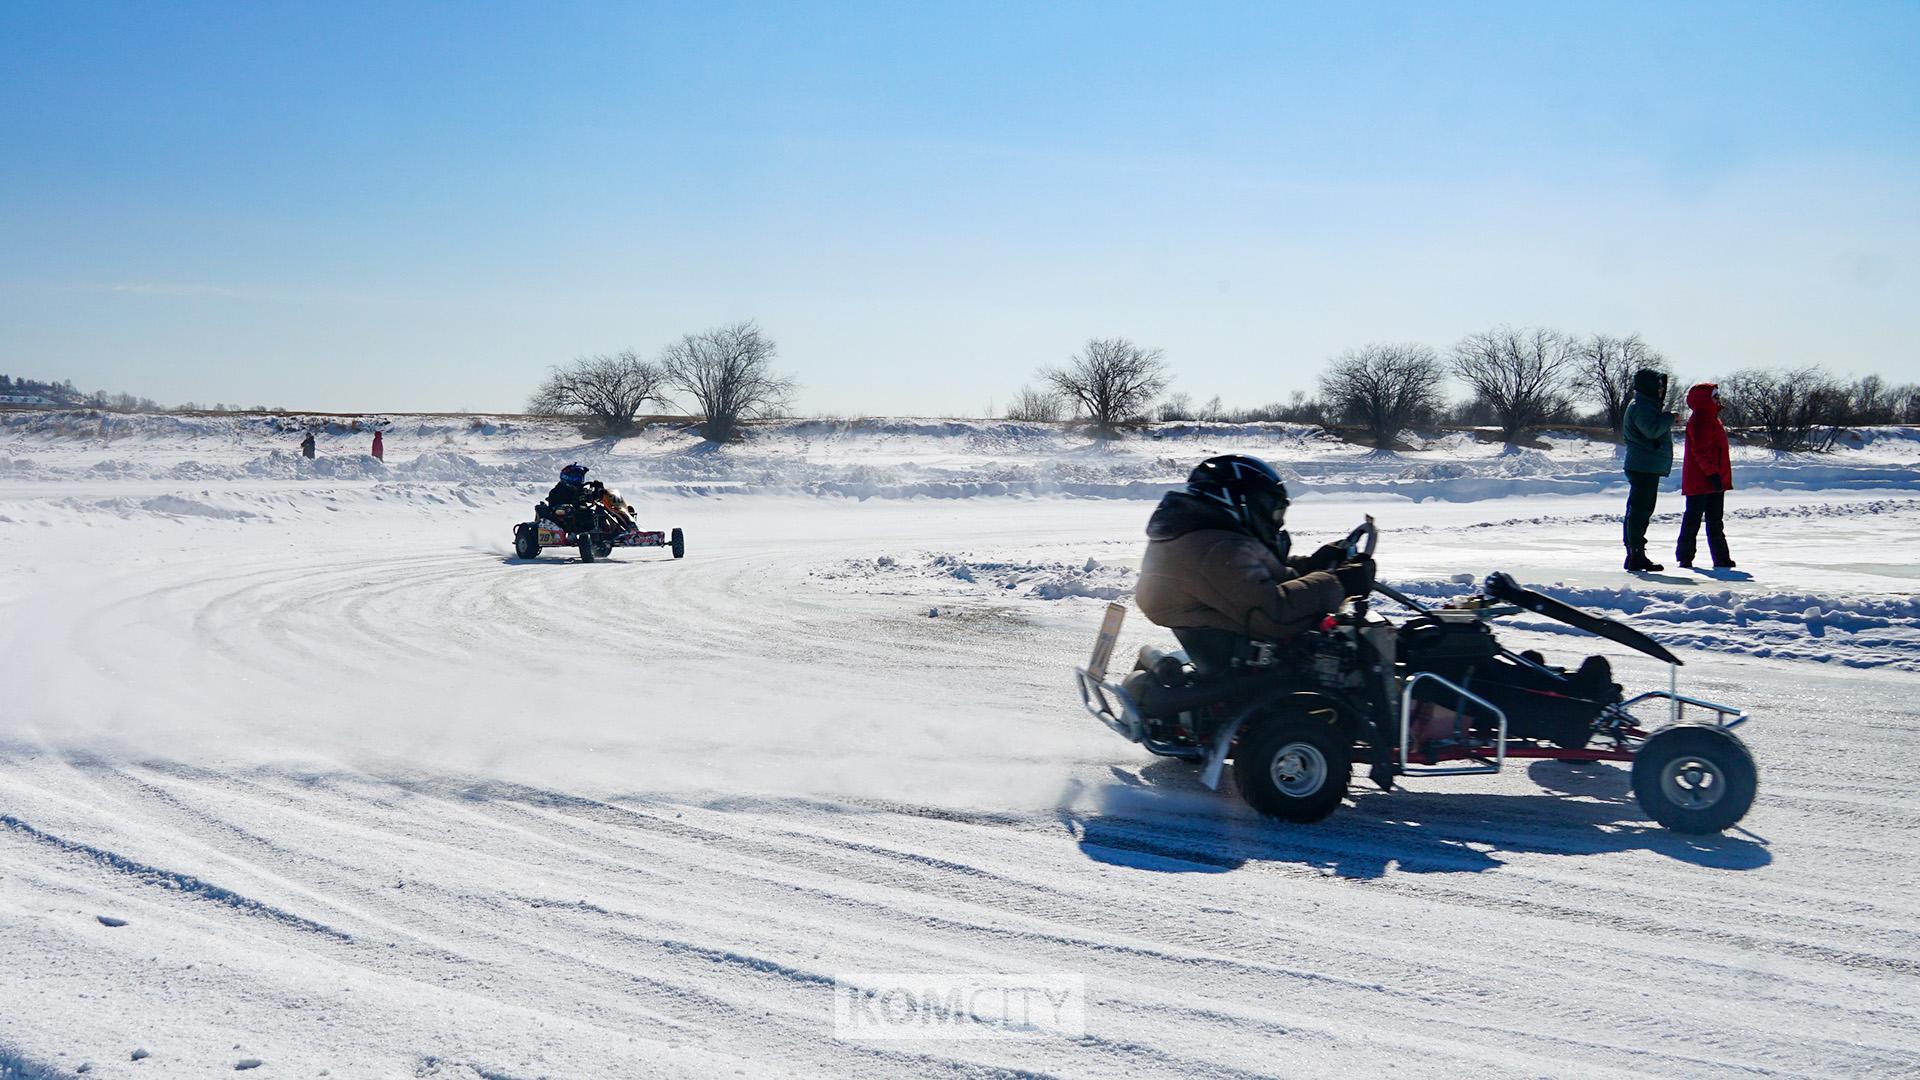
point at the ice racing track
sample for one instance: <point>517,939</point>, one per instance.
<point>386,805</point>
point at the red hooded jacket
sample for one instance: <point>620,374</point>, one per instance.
<point>1707,454</point>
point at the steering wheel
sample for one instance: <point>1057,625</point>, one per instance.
<point>1361,541</point>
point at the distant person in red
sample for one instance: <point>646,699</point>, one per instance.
<point>306,446</point>
<point>1705,477</point>
<point>379,448</point>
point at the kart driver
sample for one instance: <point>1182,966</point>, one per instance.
<point>1218,561</point>
<point>569,498</point>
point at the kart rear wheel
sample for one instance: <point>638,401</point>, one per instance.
<point>1694,779</point>
<point>587,547</point>
<point>679,542</point>
<point>602,549</point>
<point>526,541</point>
<point>1294,767</point>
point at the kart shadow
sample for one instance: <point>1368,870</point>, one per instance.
<point>515,560</point>
<point>569,560</point>
<point>1161,818</point>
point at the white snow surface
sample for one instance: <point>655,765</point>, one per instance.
<point>299,766</point>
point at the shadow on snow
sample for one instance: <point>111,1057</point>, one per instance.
<point>1160,818</point>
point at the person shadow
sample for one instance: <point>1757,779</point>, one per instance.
<point>1663,579</point>
<point>1718,574</point>
<point>1159,817</point>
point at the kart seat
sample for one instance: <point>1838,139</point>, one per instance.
<point>1212,651</point>
<point>1163,690</point>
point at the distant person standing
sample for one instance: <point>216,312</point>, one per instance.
<point>1647,429</point>
<point>1706,475</point>
<point>306,446</point>
<point>379,448</point>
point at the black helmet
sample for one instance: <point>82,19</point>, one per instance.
<point>1249,488</point>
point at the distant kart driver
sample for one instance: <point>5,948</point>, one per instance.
<point>1219,571</point>
<point>567,503</point>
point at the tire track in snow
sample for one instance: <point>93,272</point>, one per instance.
<point>172,880</point>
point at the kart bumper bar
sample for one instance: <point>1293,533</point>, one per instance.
<point>1110,704</point>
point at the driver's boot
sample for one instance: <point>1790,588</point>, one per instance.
<point>1383,773</point>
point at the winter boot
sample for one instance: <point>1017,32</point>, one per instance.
<point>1637,561</point>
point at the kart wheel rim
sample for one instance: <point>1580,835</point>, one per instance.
<point>1693,783</point>
<point>1299,770</point>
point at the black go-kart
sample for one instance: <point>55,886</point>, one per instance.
<point>1434,694</point>
<point>594,527</point>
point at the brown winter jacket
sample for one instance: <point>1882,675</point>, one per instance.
<point>1201,572</point>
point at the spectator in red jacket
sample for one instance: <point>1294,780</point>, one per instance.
<point>379,449</point>
<point>1705,477</point>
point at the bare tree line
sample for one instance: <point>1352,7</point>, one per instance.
<point>726,374</point>
<point>1518,380</point>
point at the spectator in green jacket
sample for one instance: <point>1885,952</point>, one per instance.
<point>1647,429</point>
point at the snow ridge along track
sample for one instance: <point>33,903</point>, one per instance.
<point>372,796</point>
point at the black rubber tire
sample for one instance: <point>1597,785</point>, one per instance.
<point>586,547</point>
<point>1694,779</point>
<point>602,549</point>
<point>678,540</point>
<point>1310,749</point>
<point>526,541</point>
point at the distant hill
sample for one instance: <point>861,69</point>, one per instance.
<point>23,391</point>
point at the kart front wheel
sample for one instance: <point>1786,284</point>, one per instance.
<point>679,541</point>
<point>1295,768</point>
<point>526,541</point>
<point>1694,779</point>
<point>587,546</point>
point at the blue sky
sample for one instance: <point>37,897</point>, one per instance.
<point>391,206</point>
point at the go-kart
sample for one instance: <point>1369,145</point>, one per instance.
<point>594,527</point>
<point>1433,695</point>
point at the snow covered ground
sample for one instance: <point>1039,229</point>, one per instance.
<point>299,766</point>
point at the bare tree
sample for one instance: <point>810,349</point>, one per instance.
<point>1110,381</point>
<point>607,389</point>
<point>1385,388</point>
<point>1036,405</point>
<point>1801,409</point>
<point>1604,368</point>
<point>1523,376</point>
<point>1176,408</point>
<point>1299,409</point>
<point>728,373</point>
<point>1870,401</point>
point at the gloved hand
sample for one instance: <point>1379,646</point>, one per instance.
<point>1356,578</point>
<point>1715,483</point>
<point>1328,556</point>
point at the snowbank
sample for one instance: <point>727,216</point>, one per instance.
<point>947,573</point>
<point>878,458</point>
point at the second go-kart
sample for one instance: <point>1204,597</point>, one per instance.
<point>1433,695</point>
<point>601,522</point>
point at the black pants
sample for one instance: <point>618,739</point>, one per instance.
<point>1707,508</point>
<point>1643,488</point>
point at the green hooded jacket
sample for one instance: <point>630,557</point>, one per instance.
<point>1647,428</point>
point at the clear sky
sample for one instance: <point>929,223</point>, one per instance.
<point>414,205</point>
